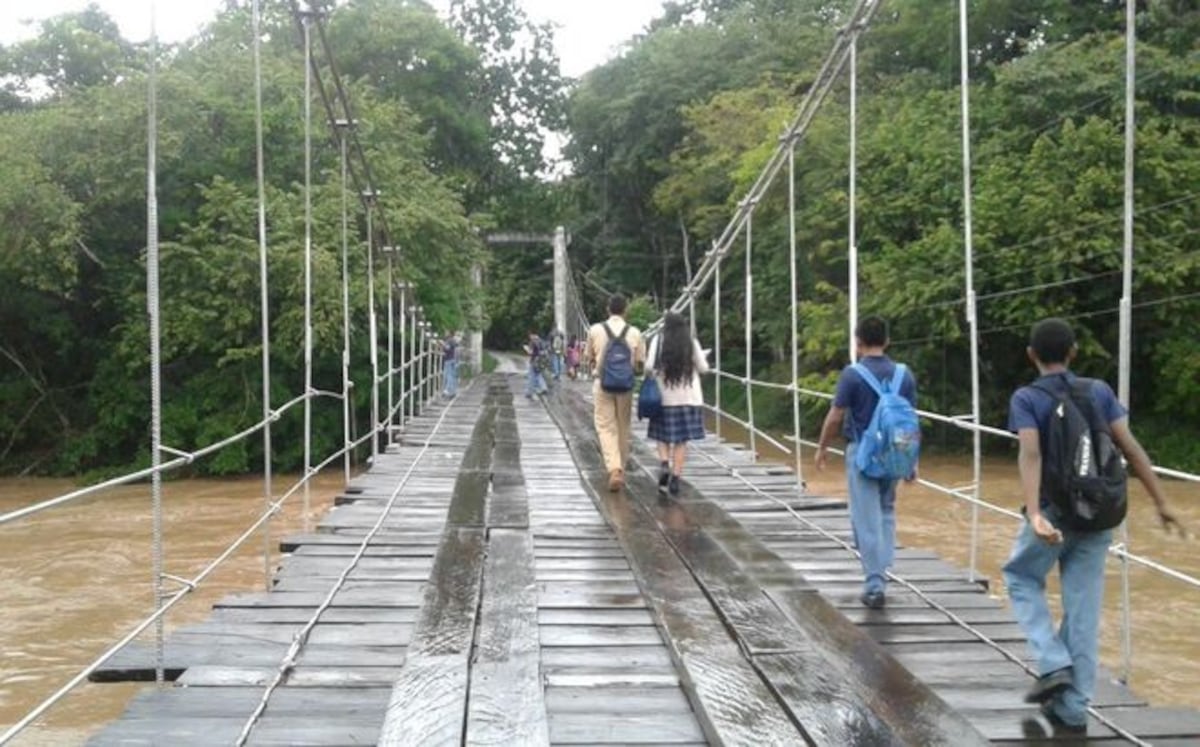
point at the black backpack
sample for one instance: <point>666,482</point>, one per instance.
<point>1082,472</point>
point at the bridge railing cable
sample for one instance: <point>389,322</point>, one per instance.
<point>420,356</point>
<point>736,244</point>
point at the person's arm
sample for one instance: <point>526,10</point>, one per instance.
<point>652,356</point>
<point>1029,465</point>
<point>589,350</point>
<point>1140,465</point>
<point>699,359</point>
<point>829,429</point>
<point>639,353</point>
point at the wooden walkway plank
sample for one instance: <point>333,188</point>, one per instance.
<point>816,676</point>
<point>429,697</point>
<point>598,638</point>
<point>732,702</point>
<point>506,704</point>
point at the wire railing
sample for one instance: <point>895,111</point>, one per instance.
<point>736,244</point>
<point>419,353</point>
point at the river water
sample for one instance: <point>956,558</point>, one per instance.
<point>76,578</point>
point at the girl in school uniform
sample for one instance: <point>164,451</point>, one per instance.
<point>676,360</point>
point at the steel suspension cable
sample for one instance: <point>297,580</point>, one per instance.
<point>264,287</point>
<point>391,338</point>
<point>373,327</point>
<point>749,335</point>
<point>852,247</point>
<point>717,342</point>
<point>858,21</point>
<point>308,266</point>
<point>1125,322</point>
<point>969,277</point>
<point>342,127</point>
<point>153,309</point>
<point>795,313</point>
<point>301,638</point>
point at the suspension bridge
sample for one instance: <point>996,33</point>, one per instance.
<point>479,584</point>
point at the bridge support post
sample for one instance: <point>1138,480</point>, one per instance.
<point>477,327</point>
<point>560,279</point>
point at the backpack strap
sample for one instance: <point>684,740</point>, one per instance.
<point>865,374</point>
<point>608,331</point>
<point>898,378</point>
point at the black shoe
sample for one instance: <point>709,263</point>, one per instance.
<point>664,475</point>
<point>873,599</point>
<point>673,485</point>
<point>1049,685</point>
<point>1060,726</point>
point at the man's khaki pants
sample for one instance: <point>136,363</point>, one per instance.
<point>612,415</point>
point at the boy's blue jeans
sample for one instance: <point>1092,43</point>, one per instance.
<point>535,383</point>
<point>1080,559</point>
<point>873,520</point>
<point>450,378</point>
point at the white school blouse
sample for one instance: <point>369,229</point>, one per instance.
<point>680,394</point>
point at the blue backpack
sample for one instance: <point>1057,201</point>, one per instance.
<point>616,371</point>
<point>889,448</point>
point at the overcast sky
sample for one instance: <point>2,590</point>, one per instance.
<point>589,31</point>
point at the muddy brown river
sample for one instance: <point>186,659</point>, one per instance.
<point>74,579</point>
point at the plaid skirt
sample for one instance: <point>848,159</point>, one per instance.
<point>675,425</point>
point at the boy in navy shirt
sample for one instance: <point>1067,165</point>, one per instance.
<point>1066,658</point>
<point>872,502</point>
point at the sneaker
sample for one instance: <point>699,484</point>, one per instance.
<point>1061,726</point>
<point>673,485</point>
<point>1049,685</point>
<point>873,600</point>
<point>664,474</point>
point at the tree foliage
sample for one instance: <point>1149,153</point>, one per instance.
<point>668,137</point>
<point>74,358</point>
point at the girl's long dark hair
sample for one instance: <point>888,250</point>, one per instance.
<point>675,351</point>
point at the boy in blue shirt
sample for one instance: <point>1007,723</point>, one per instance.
<point>1066,658</point>
<point>872,502</point>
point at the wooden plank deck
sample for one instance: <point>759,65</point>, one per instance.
<point>510,599</point>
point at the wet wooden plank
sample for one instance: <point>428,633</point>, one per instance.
<point>633,729</point>
<point>136,662</point>
<point>622,700</point>
<point>217,633</point>
<point>345,677</point>
<point>594,617</point>
<point>410,597</point>
<point>240,702</point>
<point>731,701</point>
<point>506,704</point>
<point>600,635</point>
<point>271,730</point>
<point>630,658</point>
<point>428,700</point>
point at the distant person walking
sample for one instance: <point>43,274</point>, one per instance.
<point>557,353</point>
<point>676,360</point>
<point>536,354</point>
<point>1066,424</point>
<point>860,390</point>
<point>615,351</point>
<point>573,358</point>
<point>450,356</point>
